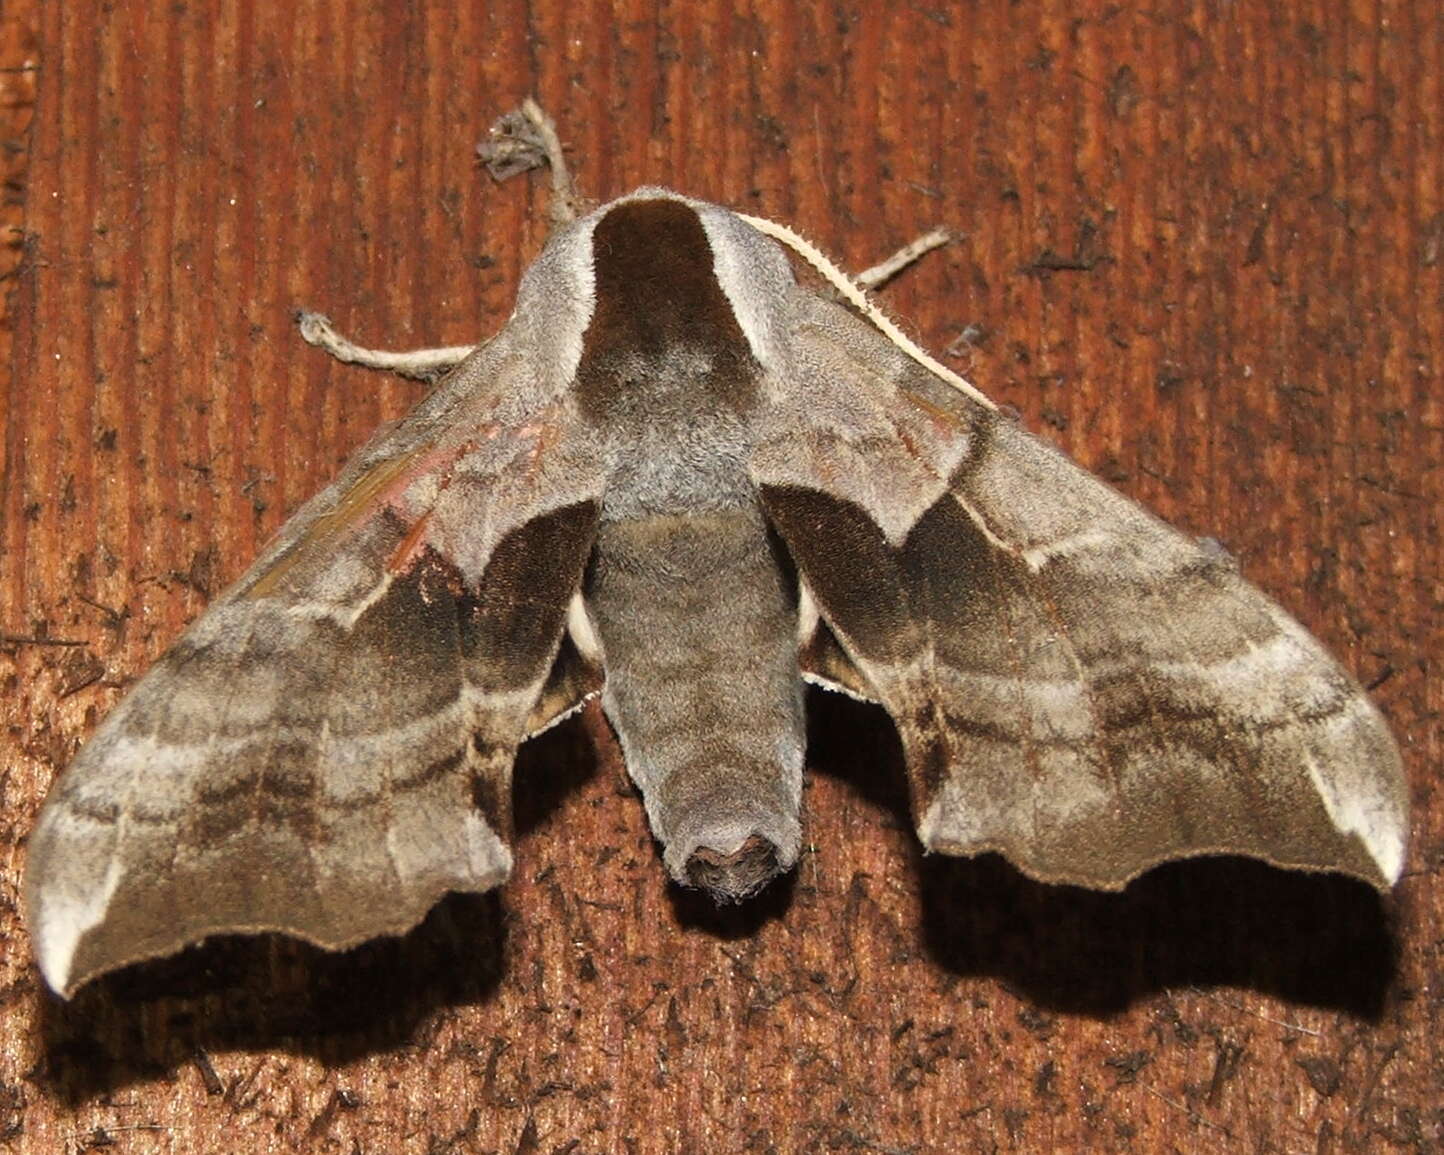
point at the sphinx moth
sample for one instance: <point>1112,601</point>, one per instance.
<point>683,481</point>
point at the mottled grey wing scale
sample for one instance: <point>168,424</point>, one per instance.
<point>327,751</point>
<point>1076,685</point>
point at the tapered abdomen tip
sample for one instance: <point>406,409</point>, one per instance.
<point>737,875</point>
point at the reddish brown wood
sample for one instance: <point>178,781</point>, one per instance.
<point>1250,342</point>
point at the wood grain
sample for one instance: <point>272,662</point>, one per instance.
<point>1204,253</point>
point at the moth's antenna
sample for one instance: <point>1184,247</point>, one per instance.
<point>860,300</point>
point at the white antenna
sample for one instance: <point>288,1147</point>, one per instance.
<point>848,288</point>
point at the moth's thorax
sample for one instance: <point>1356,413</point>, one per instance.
<point>662,333</point>
<point>667,375</point>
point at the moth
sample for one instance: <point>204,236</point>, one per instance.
<point>683,481</point>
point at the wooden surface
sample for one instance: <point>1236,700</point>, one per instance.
<point>1204,253</point>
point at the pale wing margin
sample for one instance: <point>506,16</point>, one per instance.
<point>327,751</point>
<point>1076,685</point>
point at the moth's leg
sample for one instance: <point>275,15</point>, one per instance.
<point>505,148</point>
<point>524,139</point>
<point>884,271</point>
<point>418,364</point>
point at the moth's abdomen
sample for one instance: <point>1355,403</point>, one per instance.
<point>698,624</point>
